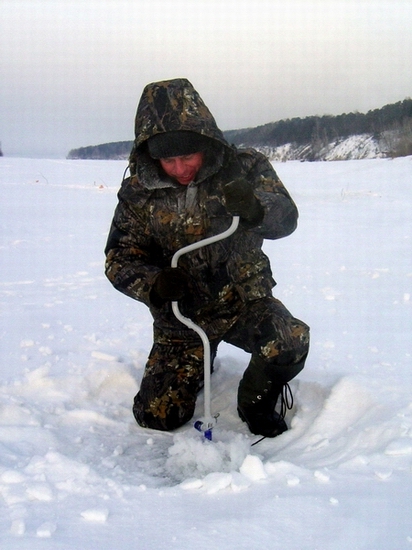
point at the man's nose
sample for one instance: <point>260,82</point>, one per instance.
<point>179,167</point>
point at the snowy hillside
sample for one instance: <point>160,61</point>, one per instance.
<point>76,472</point>
<point>356,147</point>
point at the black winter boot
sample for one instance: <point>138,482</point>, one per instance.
<point>259,393</point>
<point>263,419</point>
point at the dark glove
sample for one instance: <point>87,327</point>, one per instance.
<point>170,285</point>
<point>241,201</point>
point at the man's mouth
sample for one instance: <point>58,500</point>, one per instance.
<point>185,179</point>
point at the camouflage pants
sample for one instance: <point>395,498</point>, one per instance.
<point>174,371</point>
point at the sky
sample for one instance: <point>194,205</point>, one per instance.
<point>72,71</point>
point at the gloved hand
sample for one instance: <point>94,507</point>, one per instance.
<point>241,201</point>
<point>170,285</point>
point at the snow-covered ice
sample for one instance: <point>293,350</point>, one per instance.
<point>75,469</point>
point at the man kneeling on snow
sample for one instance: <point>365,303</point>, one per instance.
<point>186,183</point>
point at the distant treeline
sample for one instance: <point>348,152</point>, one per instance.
<point>114,151</point>
<point>326,128</point>
<point>313,130</point>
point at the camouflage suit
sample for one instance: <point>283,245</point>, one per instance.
<point>230,286</point>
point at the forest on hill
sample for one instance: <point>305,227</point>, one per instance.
<point>385,132</point>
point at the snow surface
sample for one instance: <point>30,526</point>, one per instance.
<point>76,472</point>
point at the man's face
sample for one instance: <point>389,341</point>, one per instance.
<point>183,168</point>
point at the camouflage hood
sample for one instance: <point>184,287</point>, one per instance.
<point>172,105</point>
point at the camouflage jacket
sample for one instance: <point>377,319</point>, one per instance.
<point>156,216</point>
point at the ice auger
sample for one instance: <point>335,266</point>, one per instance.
<point>208,421</point>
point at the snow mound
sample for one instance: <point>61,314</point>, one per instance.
<point>192,455</point>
